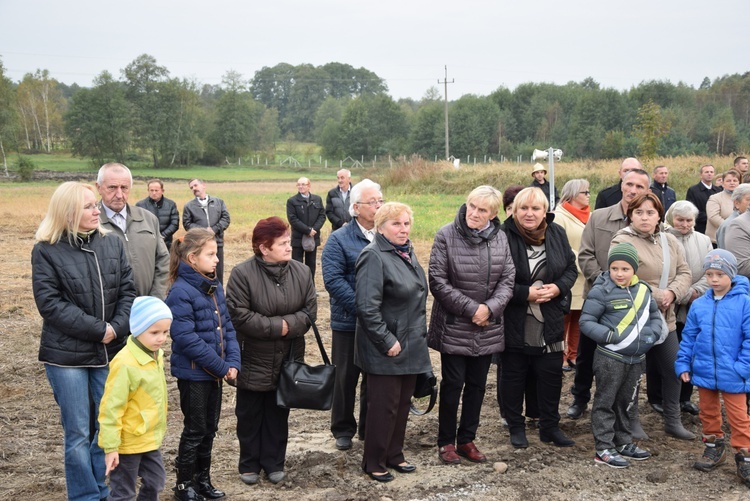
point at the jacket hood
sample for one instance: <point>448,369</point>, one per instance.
<point>194,278</point>
<point>629,229</point>
<point>740,286</point>
<point>466,232</point>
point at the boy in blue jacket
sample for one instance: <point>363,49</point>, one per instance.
<point>715,356</point>
<point>622,317</point>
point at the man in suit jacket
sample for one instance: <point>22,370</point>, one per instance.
<point>207,212</point>
<point>337,201</point>
<point>612,195</point>
<point>306,216</point>
<point>699,194</point>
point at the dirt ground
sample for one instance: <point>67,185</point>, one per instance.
<point>31,460</point>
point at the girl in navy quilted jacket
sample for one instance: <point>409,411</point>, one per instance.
<point>204,352</point>
<point>715,356</point>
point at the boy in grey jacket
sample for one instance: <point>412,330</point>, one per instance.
<point>622,317</point>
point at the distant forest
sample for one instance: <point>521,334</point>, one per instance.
<point>145,115</point>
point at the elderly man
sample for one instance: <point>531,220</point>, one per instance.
<point>737,241</point>
<point>207,212</point>
<point>699,194</point>
<point>136,227</point>
<point>306,216</point>
<point>659,187</point>
<point>741,201</point>
<point>592,260</point>
<point>339,276</point>
<point>163,208</point>
<point>612,195</point>
<point>337,201</point>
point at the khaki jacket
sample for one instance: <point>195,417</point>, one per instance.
<point>718,208</point>
<point>595,242</point>
<point>651,264</point>
<point>574,229</point>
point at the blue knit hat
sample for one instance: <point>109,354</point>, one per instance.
<point>722,260</point>
<point>146,311</point>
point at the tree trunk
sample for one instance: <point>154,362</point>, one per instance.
<point>5,160</point>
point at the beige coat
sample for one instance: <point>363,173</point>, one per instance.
<point>595,241</point>
<point>574,229</point>
<point>696,246</point>
<point>651,263</point>
<point>718,208</point>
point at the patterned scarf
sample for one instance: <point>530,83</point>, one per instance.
<point>532,237</point>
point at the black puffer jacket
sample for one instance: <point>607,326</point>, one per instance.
<point>259,297</point>
<point>166,212</point>
<point>78,289</point>
<point>561,271</point>
<point>468,270</point>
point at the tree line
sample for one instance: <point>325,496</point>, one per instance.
<point>144,114</point>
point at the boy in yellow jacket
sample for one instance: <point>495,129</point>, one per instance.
<point>133,410</point>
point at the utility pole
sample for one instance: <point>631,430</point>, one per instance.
<point>447,141</point>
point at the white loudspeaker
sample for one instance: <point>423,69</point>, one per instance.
<point>540,155</point>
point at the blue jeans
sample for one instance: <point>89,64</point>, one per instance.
<point>78,391</point>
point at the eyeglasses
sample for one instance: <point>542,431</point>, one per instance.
<point>90,207</point>
<point>587,193</point>
<point>373,203</point>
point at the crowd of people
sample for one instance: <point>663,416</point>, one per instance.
<point>636,285</point>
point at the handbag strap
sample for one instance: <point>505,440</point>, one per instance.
<point>323,353</point>
<point>433,399</point>
<point>665,258</point>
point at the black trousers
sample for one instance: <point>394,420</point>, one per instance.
<point>653,378</point>
<point>220,264</point>
<point>467,375</point>
<point>548,371</point>
<point>584,377</point>
<point>343,423</point>
<point>262,430</point>
<point>298,254</point>
<point>200,402</point>
<point>388,399</point>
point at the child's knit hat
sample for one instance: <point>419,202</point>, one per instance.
<point>146,311</point>
<point>624,252</point>
<point>720,259</point>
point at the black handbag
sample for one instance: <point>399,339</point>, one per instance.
<point>426,387</point>
<point>302,386</point>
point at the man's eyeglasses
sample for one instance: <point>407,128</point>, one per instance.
<point>373,203</point>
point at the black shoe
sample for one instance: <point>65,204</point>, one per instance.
<point>403,468</point>
<point>344,443</point>
<point>387,477</point>
<point>203,481</point>
<point>657,407</point>
<point>576,410</point>
<point>689,407</point>
<point>518,439</point>
<point>557,437</point>
<point>187,492</point>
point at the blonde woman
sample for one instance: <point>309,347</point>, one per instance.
<point>83,288</point>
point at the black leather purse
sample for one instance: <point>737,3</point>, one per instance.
<point>425,393</point>
<point>303,386</point>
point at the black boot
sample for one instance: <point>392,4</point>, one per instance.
<point>185,489</point>
<point>203,480</point>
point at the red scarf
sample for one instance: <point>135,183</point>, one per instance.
<point>581,214</point>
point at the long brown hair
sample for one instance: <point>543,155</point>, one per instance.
<point>190,243</point>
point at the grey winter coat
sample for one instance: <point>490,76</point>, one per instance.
<point>337,209</point>
<point>467,270</point>
<point>193,216</point>
<point>391,298</point>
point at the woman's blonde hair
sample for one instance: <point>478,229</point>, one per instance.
<point>531,195</point>
<point>390,211</point>
<point>64,213</point>
<point>190,243</point>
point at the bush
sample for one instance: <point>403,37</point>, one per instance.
<point>26,168</point>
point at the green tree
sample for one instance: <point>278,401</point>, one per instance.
<point>473,126</point>
<point>98,121</point>
<point>651,126</point>
<point>372,125</point>
<point>236,118</point>
<point>427,136</point>
<point>8,116</point>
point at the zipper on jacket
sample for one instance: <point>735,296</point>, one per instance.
<point>713,342</point>
<point>101,290</point>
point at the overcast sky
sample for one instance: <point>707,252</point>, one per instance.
<point>485,44</point>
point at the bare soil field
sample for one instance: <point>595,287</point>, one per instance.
<point>31,459</point>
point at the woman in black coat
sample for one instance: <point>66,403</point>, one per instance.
<point>545,273</point>
<point>83,288</point>
<point>390,339</point>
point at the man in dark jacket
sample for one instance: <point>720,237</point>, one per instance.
<point>699,194</point>
<point>207,212</point>
<point>538,172</point>
<point>339,276</point>
<point>306,216</point>
<point>660,189</point>
<point>163,208</point>
<point>612,195</point>
<point>337,201</point>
